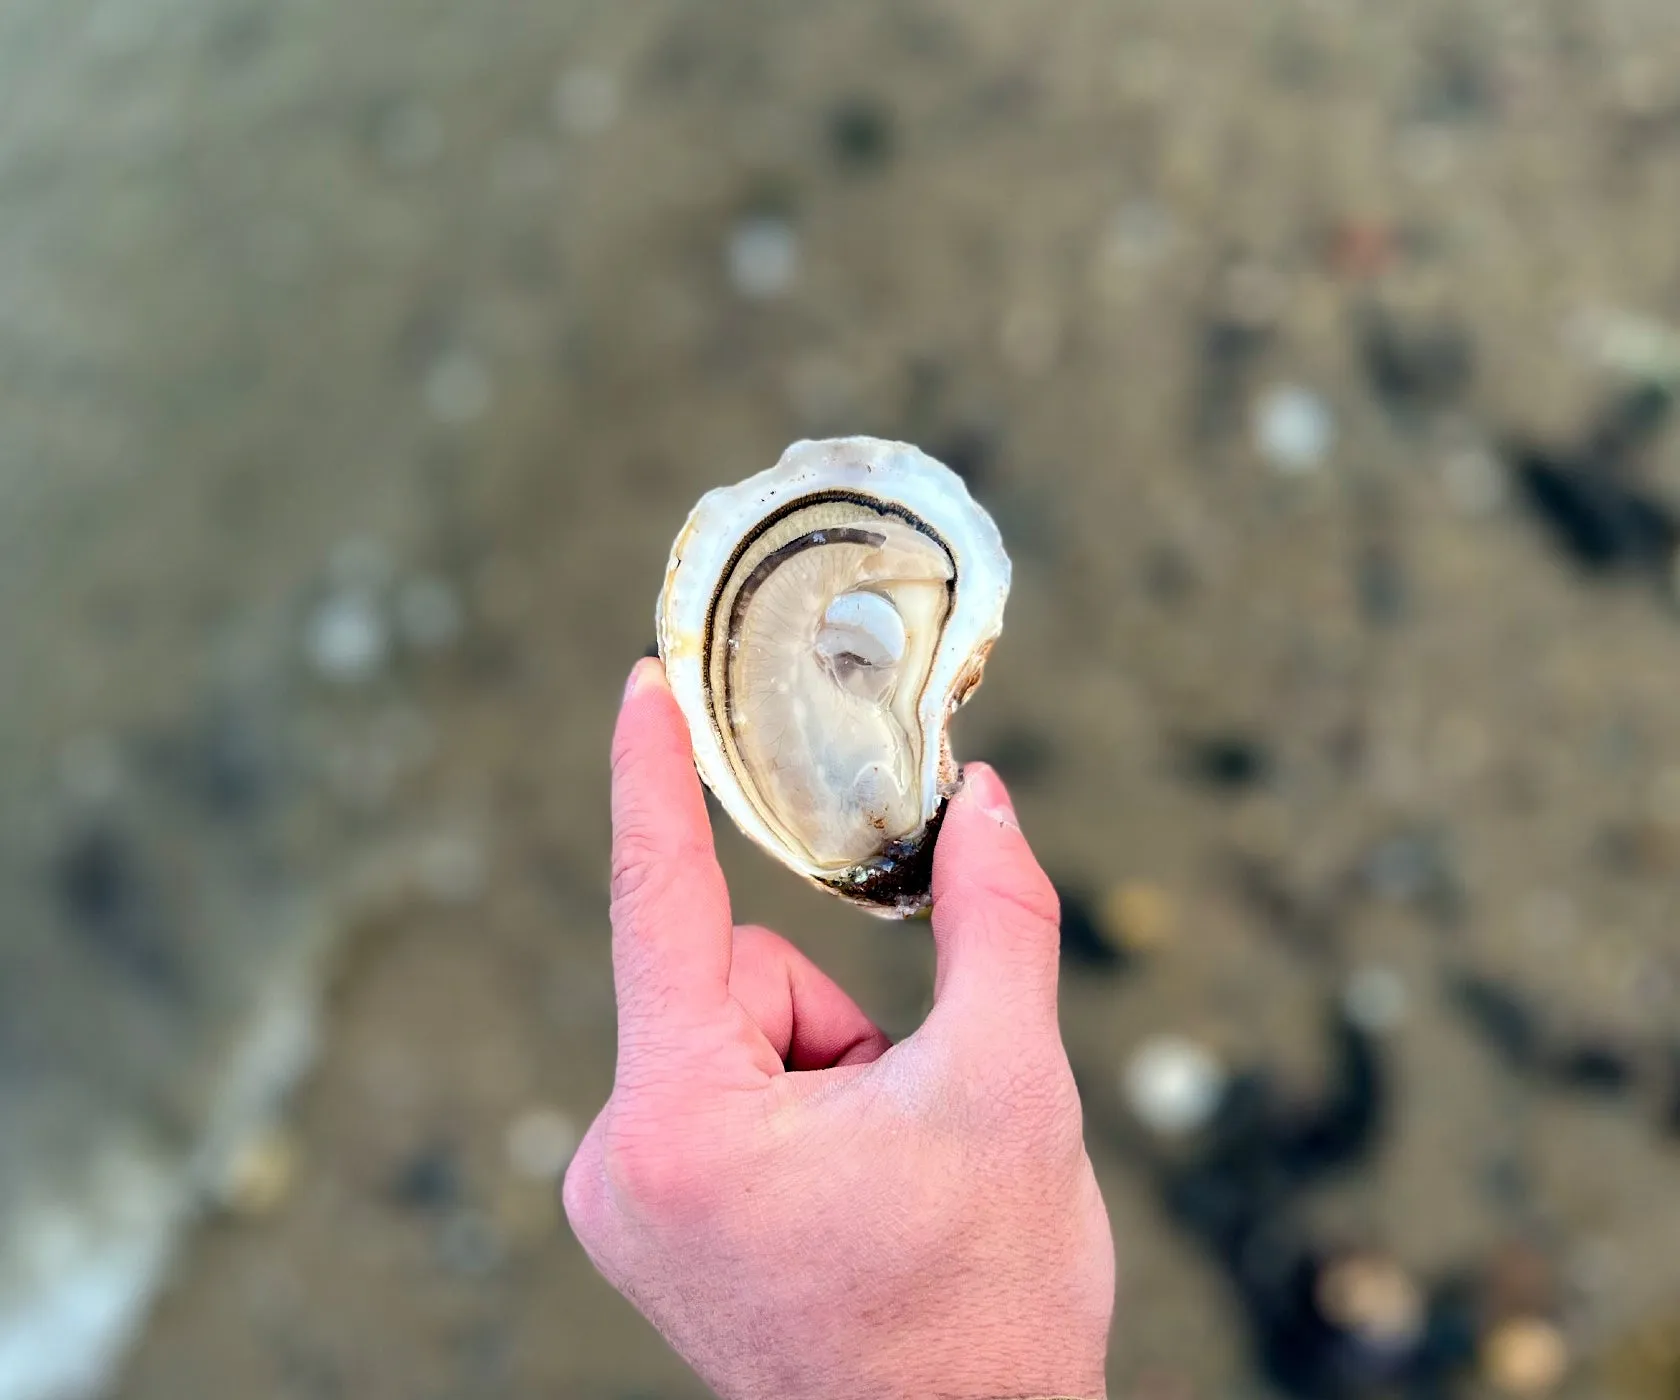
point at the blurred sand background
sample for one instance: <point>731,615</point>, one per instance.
<point>359,361</point>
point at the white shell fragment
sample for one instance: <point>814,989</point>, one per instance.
<point>819,624</point>
<point>1173,1084</point>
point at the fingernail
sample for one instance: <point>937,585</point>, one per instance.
<point>645,672</point>
<point>985,787</point>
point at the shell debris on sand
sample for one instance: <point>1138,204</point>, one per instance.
<point>540,1143</point>
<point>1293,429</point>
<point>346,639</point>
<point>1173,1084</point>
<point>763,256</point>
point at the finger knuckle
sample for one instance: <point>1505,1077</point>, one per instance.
<point>1015,899</point>
<point>583,1200</point>
<point>624,757</point>
<point>647,871</point>
<point>636,867</point>
<point>650,1176</point>
<point>1031,896</point>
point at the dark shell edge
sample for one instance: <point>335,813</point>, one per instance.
<point>898,882</point>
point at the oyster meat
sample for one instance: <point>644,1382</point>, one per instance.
<point>819,624</point>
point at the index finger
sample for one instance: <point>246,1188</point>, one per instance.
<point>670,905</point>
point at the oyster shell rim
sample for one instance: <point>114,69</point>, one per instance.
<point>878,473</point>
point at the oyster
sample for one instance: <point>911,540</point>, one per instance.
<point>819,624</point>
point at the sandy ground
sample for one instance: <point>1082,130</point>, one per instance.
<point>329,301</point>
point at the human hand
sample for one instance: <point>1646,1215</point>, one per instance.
<point>804,1210</point>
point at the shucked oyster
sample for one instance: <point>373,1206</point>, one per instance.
<point>819,623</point>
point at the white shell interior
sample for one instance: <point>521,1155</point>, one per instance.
<point>934,562</point>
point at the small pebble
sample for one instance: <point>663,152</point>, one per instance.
<point>1525,1356</point>
<point>1375,999</point>
<point>1372,1297</point>
<point>428,613</point>
<point>458,388</point>
<point>1362,248</point>
<point>1293,429</point>
<point>1140,916</point>
<point>763,256</point>
<point>540,1143</point>
<point>586,101</point>
<point>1173,1084</point>
<point>346,639</point>
<point>261,1175</point>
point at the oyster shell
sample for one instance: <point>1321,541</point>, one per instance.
<point>819,624</point>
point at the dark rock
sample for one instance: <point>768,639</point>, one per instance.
<point>1417,868</point>
<point>1263,1150</point>
<point>1450,1337</point>
<point>1084,943</point>
<point>1227,351</point>
<point>1599,523</point>
<point>1597,1066</point>
<point>1587,1063</point>
<point>862,133</point>
<point>1239,1196</point>
<point>1341,1129</point>
<point>429,1181</point>
<point>101,888</point>
<point>1232,762</point>
<point>1627,425</point>
<point>1415,368</point>
<point>1501,1018</point>
<point>1307,1349</point>
<point>1586,495</point>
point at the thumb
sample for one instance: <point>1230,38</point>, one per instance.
<point>996,921</point>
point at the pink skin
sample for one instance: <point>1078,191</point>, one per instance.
<point>804,1210</point>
